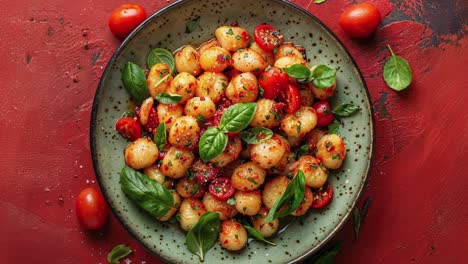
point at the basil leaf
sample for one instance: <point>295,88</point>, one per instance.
<point>134,81</point>
<point>149,194</point>
<point>117,253</point>
<point>345,109</point>
<point>160,55</point>
<point>128,114</point>
<point>167,98</point>
<point>319,1</point>
<point>358,216</point>
<point>160,136</point>
<point>302,151</point>
<point>257,235</point>
<point>397,72</point>
<point>292,196</point>
<point>201,119</point>
<point>231,201</point>
<point>298,71</point>
<point>203,235</point>
<point>192,25</point>
<point>334,127</point>
<point>212,143</point>
<point>328,255</point>
<point>237,117</point>
<point>323,76</point>
<point>256,135</point>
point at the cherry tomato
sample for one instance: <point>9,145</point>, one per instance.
<point>204,172</point>
<point>221,188</point>
<point>273,81</point>
<point>128,128</point>
<point>324,113</point>
<point>322,196</point>
<point>268,37</point>
<point>125,18</point>
<point>153,120</point>
<point>91,209</point>
<point>292,99</point>
<point>360,20</point>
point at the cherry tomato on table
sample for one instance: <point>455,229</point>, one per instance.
<point>292,99</point>
<point>268,37</point>
<point>125,18</point>
<point>360,20</point>
<point>324,113</point>
<point>221,188</point>
<point>273,81</point>
<point>91,209</point>
<point>322,196</point>
<point>128,128</point>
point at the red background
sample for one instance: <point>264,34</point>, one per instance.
<point>53,54</point>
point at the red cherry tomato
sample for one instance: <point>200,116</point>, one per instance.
<point>268,37</point>
<point>91,209</point>
<point>291,98</point>
<point>125,18</point>
<point>273,81</point>
<point>322,196</point>
<point>360,20</point>
<point>128,128</point>
<point>153,120</point>
<point>221,188</point>
<point>324,113</point>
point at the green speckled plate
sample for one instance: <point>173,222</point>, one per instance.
<point>166,29</point>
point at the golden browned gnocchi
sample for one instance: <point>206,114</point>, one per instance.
<point>299,123</point>
<point>247,60</point>
<point>141,153</point>
<point>168,113</point>
<point>270,152</point>
<point>266,115</point>
<point>184,132</point>
<point>212,85</point>
<point>214,205</point>
<point>273,190</point>
<point>259,223</point>
<point>187,59</point>
<point>200,106</point>
<point>243,88</point>
<point>248,176</point>
<point>233,235</point>
<point>215,59</point>
<point>176,162</point>
<point>190,211</point>
<point>159,79</point>
<point>232,38</point>
<point>267,56</point>
<point>231,153</point>
<point>248,202</point>
<point>331,150</point>
<point>315,174</point>
<point>185,85</point>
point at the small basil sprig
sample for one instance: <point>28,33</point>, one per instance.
<point>256,135</point>
<point>292,197</point>
<point>359,215</point>
<point>167,98</point>
<point>397,72</point>
<point>302,151</point>
<point>319,1</point>
<point>160,136</point>
<point>214,139</point>
<point>321,76</point>
<point>192,25</point>
<point>257,235</point>
<point>134,81</point>
<point>345,109</point>
<point>334,127</point>
<point>203,235</point>
<point>149,194</point>
<point>160,55</point>
<point>117,253</point>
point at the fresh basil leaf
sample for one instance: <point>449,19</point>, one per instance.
<point>167,98</point>
<point>345,109</point>
<point>160,136</point>
<point>160,55</point>
<point>397,72</point>
<point>334,127</point>
<point>231,201</point>
<point>319,1</point>
<point>292,197</point>
<point>212,143</point>
<point>257,235</point>
<point>256,135</point>
<point>149,194</point>
<point>327,256</point>
<point>192,25</point>
<point>356,221</point>
<point>128,114</point>
<point>237,117</point>
<point>201,119</point>
<point>117,253</point>
<point>203,235</point>
<point>323,76</point>
<point>302,151</point>
<point>298,71</point>
<point>134,81</point>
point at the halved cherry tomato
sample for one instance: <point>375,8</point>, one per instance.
<point>153,120</point>
<point>273,81</point>
<point>268,37</point>
<point>221,188</point>
<point>324,113</point>
<point>292,99</point>
<point>204,172</point>
<point>91,209</point>
<point>360,20</point>
<point>125,18</point>
<point>322,196</point>
<point>128,128</point>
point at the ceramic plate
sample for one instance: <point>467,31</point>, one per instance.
<point>166,29</point>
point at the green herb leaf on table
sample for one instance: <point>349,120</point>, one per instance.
<point>134,81</point>
<point>327,256</point>
<point>256,135</point>
<point>149,194</point>
<point>257,235</point>
<point>292,196</point>
<point>160,55</point>
<point>359,215</point>
<point>345,109</point>
<point>323,76</point>
<point>117,253</point>
<point>212,143</point>
<point>192,25</point>
<point>167,98</point>
<point>203,235</point>
<point>160,136</point>
<point>334,127</point>
<point>237,117</point>
<point>319,1</point>
<point>397,72</point>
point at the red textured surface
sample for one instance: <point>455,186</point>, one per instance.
<point>54,53</point>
